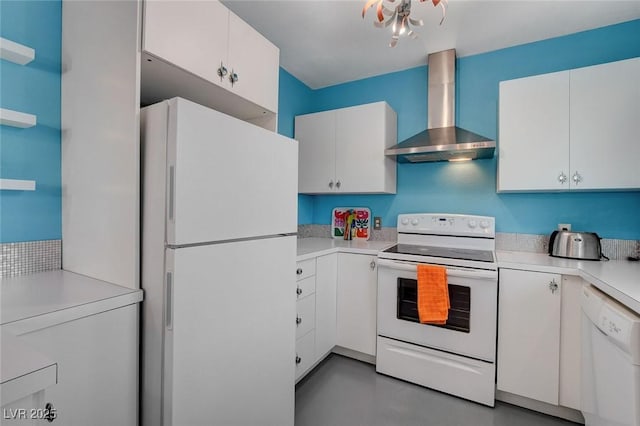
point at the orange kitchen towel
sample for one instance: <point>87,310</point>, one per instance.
<point>433,294</point>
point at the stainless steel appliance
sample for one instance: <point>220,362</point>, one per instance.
<point>459,357</point>
<point>443,140</point>
<point>575,245</point>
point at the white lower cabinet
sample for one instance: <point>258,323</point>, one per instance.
<point>539,337</point>
<point>305,351</point>
<point>316,311</point>
<point>356,307</point>
<point>326,277</point>
<point>97,358</point>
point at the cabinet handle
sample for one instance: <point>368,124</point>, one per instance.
<point>233,78</point>
<point>299,271</point>
<point>169,302</point>
<point>298,359</point>
<point>222,71</point>
<point>372,265</point>
<point>562,178</point>
<point>576,178</point>
<point>331,184</point>
<point>298,291</point>
<point>298,320</point>
<point>338,184</point>
<point>553,286</point>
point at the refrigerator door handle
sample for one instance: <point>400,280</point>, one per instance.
<point>172,185</point>
<point>169,302</point>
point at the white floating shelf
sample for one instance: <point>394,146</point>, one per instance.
<point>17,185</point>
<point>16,52</point>
<point>16,119</point>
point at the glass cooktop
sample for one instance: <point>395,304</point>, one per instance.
<point>444,252</point>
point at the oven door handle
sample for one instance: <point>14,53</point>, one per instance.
<point>451,272</point>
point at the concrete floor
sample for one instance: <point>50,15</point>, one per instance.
<point>346,392</point>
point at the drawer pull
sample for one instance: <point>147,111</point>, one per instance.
<point>298,291</point>
<point>299,271</point>
<point>298,359</point>
<point>298,320</point>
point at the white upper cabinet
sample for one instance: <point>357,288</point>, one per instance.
<point>255,62</point>
<point>201,51</point>
<point>571,130</point>
<point>605,125</point>
<point>190,34</point>
<point>316,152</point>
<point>342,151</point>
<point>534,133</point>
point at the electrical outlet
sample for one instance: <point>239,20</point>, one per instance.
<point>377,223</point>
<point>564,227</point>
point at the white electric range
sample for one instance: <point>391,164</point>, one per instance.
<point>459,357</point>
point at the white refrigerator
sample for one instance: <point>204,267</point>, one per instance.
<point>219,217</point>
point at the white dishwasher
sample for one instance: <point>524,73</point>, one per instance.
<point>610,361</point>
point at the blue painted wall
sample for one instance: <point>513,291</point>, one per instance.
<point>295,98</point>
<point>470,187</point>
<point>34,153</point>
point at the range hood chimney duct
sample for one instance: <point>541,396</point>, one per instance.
<point>442,141</point>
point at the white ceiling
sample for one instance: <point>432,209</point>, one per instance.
<point>326,42</point>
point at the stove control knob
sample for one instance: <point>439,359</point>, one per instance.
<point>415,221</point>
<point>404,221</point>
<point>472,224</point>
<point>484,224</point>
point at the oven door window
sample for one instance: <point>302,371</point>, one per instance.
<point>459,298</point>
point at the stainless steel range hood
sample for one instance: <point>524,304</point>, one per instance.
<point>442,141</point>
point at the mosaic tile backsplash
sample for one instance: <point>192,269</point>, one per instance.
<point>29,257</point>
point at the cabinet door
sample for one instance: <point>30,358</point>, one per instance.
<point>533,138</point>
<point>362,134</point>
<point>529,334</point>
<point>97,359</point>
<point>255,61</point>
<point>357,296</point>
<point>316,152</point>
<point>190,34</point>
<point>571,342</point>
<point>605,124</point>
<point>326,281</point>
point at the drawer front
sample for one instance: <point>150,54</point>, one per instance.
<point>306,287</point>
<point>305,349</point>
<point>305,315</point>
<point>305,269</point>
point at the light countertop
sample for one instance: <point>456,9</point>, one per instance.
<point>620,279</point>
<point>34,301</point>
<point>313,247</point>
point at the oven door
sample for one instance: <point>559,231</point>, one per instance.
<point>471,329</point>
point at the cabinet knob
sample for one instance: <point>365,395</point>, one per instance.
<point>233,77</point>
<point>553,286</point>
<point>338,184</point>
<point>562,178</point>
<point>222,71</point>
<point>299,271</point>
<point>298,291</point>
<point>372,265</point>
<point>298,320</point>
<point>298,359</point>
<point>331,184</point>
<point>576,178</point>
